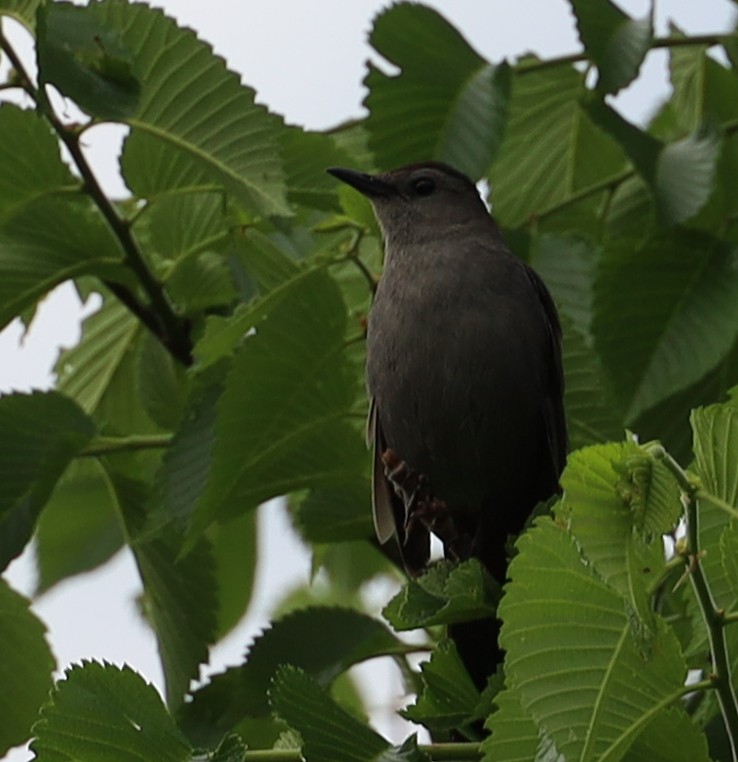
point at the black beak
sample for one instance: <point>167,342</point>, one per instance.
<point>369,185</point>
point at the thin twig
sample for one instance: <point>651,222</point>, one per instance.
<point>713,617</point>
<point>527,67</point>
<point>159,317</point>
<point>111,445</point>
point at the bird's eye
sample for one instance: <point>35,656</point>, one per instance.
<point>424,186</point>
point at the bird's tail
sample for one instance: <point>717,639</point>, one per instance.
<point>478,647</point>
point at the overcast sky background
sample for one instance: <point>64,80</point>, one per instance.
<point>306,61</point>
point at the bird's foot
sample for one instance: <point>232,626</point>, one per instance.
<point>436,516</point>
<point>408,483</point>
<point>421,506</point>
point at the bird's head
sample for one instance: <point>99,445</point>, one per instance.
<point>418,200</point>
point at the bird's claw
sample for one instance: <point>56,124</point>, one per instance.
<point>421,506</point>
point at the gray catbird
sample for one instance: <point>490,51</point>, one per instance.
<point>465,380</point>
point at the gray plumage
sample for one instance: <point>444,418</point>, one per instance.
<point>463,365</point>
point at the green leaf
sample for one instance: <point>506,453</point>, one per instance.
<point>22,10</point>
<point>191,113</point>
<point>445,594</point>
<point>235,553</point>
<point>551,152</point>
<point>87,61</point>
<point>560,618</point>
<point>85,371</point>
<point>336,513</point>
<point>42,432</point>
<point>330,733</point>
<point>590,411</point>
<point>682,302</point>
<point>704,89</point>
<point>324,642</point>
<point>619,501</point>
<point>681,175</point>
<point>448,698</point>
<point>30,163</point>
<point>79,528</point>
<point>186,465</point>
<point>50,240</point>
<point>515,737</point>
<point>183,225</point>
<point>306,155</point>
<point>277,275</point>
<point>179,593</point>
<point>613,40</point>
<point>447,103</point>
<point>567,264</point>
<point>283,418</point>
<point>25,668</point>
<point>715,431</point>
<point>685,176</point>
<point>162,383</point>
<point>99,711</point>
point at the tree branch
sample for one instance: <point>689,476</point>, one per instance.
<point>109,445</point>
<point>713,617</point>
<point>526,67</point>
<point>159,316</point>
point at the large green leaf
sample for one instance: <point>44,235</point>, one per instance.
<point>337,513</point>
<point>551,152</point>
<point>448,698</point>
<point>703,88</point>
<point>591,415</point>
<point>618,503</point>
<point>680,174</point>
<point>666,313</point>
<point>567,264</point>
<point>515,736</point>
<point>30,163</point>
<point>87,61</point>
<point>85,371</point>
<point>25,667</point>
<point>179,592</point>
<point>560,619</point>
<point>235,554</point>
<point>446,103</point>
<point>99,711</point>
<point>323,641</point>
<point>79,528</point>
<point>329,733</point>
<point>283,419</point>
<point>715,431</point>
<point>49,241</point>
<point>275,274</point>
<point>42,432</point>
<point>188,100</point>
<point>613,40</point>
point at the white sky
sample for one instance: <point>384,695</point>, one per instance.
<point>306,61</point>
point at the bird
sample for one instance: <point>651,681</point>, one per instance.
<point>465,382</point>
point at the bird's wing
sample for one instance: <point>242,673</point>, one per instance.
<point>553,409</point>
<point>382,492</point>
<point>388,508</point>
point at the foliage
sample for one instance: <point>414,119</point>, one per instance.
<point>224,368</point>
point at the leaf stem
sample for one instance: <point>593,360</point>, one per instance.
<point>713,617</point>
<point>159,316</point>
<point>108,445</point>
<point>438,752</point>
<point>527,67</point>
<point>609,183</point>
